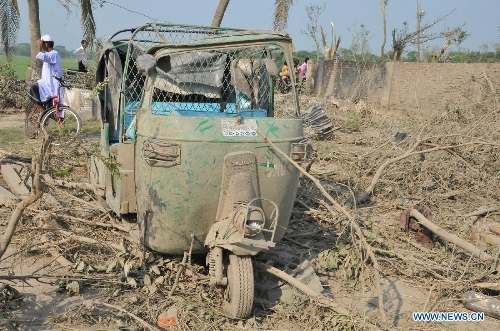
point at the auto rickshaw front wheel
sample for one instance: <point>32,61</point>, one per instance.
<point>238,295</point>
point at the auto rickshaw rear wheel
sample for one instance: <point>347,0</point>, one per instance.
<point>238,295</point>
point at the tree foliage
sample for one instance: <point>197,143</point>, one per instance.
<point>9,24</point>
<point>10,19</point>
<point>281,11</point>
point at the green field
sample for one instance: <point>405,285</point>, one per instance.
<point>21,63</point>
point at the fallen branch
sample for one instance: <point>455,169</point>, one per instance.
<point>98,224</point>
<point>49,180</point>
<point>91,205</point>
<point>58,257</point>
<point>36,193</point>
<point>412,151</point>
<point>39,277</point>
<point>182,267</point>
<point>87,240</point>
<point>480,212</point>
<point>483,256</point>
<point>352,222</point>
<point>137,318</point>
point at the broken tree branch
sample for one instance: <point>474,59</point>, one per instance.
<point>36,193</point>
<point>352,221</point>
<point>137,318</point>
<point>87,240</point>
<point>483,256</point>
<point>412,151</point>
<point>49,180</point>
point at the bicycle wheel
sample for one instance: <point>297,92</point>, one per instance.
<point>31,124</point>
<point>64,131</point>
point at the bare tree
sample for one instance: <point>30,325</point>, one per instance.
<point>330,51</point>
<point>401,38</point>
<point>420,15</point>
<point>383,4</point>
<point>454,36</point>
<point>360,44</point>
<point>313,13</point>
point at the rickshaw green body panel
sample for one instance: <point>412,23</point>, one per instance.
<point>193,182</point>
<point>170,133</point>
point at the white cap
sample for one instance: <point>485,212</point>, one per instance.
<point>46,37</point>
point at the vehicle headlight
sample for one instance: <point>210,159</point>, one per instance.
<point>250,220</point>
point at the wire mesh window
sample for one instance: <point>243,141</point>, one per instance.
<point>220,83</point>
<point>213,80</point>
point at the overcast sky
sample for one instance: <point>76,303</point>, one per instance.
<point>480,17</point>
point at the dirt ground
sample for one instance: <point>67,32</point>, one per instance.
<point>446,160</point>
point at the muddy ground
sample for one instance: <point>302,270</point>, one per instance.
<point>446,160</point>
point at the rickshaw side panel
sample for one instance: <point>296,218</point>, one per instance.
<point>117,187</point>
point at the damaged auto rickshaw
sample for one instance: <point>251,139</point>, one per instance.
<point>185,110</point>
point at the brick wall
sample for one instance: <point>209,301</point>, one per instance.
<point>410,86</point>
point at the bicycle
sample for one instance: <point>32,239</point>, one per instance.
<point>62,123</point>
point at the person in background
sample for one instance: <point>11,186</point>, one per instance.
<point>303,69</point>
<point>285,74</point>
<point>81,56</point>
<point>48,86</point>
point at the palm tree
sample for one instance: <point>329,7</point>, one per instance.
<point>281,10</point>
<point>35,33</point>
<point>219,12</point>
<point>10,22</point>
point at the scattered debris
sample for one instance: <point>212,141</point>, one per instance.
<point>479,302</point>
<point>316,122</point>
<point>168,319</point>
<point>424,236</point>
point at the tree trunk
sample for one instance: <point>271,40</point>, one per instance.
<point>419,19</point>
<point>34,26</point>
<point>382,48</point>
<point>336,47</point>
<point>332,50</point>
<point>437,56</point>
<point>327,49</point>
<point>219,12</point>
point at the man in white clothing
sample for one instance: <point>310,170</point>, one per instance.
<point>81,56</point>
<point>48,86</point>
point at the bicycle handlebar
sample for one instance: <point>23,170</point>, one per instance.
<point>62,81</point>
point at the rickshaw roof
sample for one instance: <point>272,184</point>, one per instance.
<point>154,37</point>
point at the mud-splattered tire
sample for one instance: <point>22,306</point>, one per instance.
<point>238,296</point>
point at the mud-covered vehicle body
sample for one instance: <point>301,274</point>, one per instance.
<point>185,110</point>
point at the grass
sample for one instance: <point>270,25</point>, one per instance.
<point>14,135</point>
<point>91,127</point>
<point>21,64</point>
